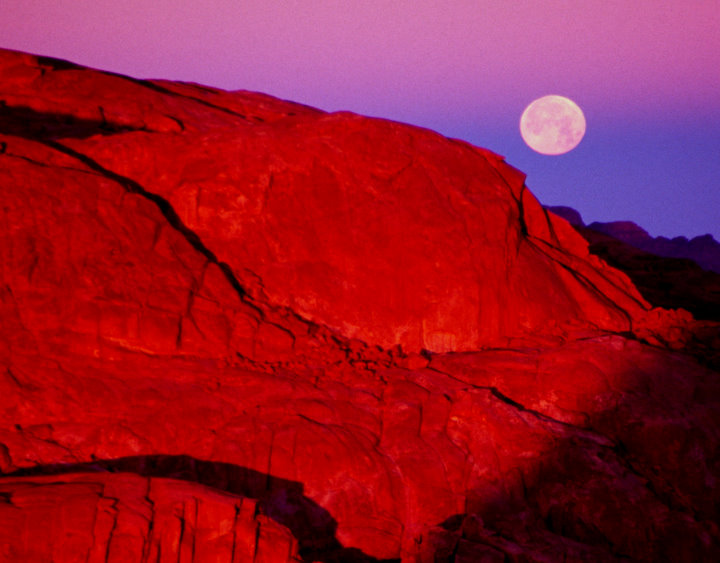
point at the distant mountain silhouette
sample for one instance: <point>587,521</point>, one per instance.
<point>669,273</point>
<point>704,249</point>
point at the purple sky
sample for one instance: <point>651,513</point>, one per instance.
<point>645,72</point>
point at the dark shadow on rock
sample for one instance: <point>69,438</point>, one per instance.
<point>30,124</point>
<point>566,509</point>
<point>57,64</point>
<point>282,500</point>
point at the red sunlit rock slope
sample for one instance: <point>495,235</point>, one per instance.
<point>235,328</point>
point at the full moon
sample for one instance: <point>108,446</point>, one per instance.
<point>552,125</point>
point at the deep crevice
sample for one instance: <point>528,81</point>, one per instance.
<point>163,205</point>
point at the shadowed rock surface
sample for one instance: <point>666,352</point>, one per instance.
<point>236,328</point>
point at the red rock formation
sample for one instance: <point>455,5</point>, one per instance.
<point>124,517</point>
<point>385,233</point>
<point>372,334</point>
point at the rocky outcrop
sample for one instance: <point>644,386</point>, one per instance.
<point>124,517</point>
<point>234,327</point>
<point>384,233</point>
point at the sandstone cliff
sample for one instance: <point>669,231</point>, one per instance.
<point>235,328</point>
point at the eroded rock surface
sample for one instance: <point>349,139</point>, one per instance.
<point>124,517</point>
<point>342,338</point>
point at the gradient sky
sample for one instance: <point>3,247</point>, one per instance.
<point>645,72</point>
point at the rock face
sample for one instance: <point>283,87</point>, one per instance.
<point>234,328</point>
<point>125,517</point>
<point>389,234</point>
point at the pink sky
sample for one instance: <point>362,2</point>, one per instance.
<point>466,68</point>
